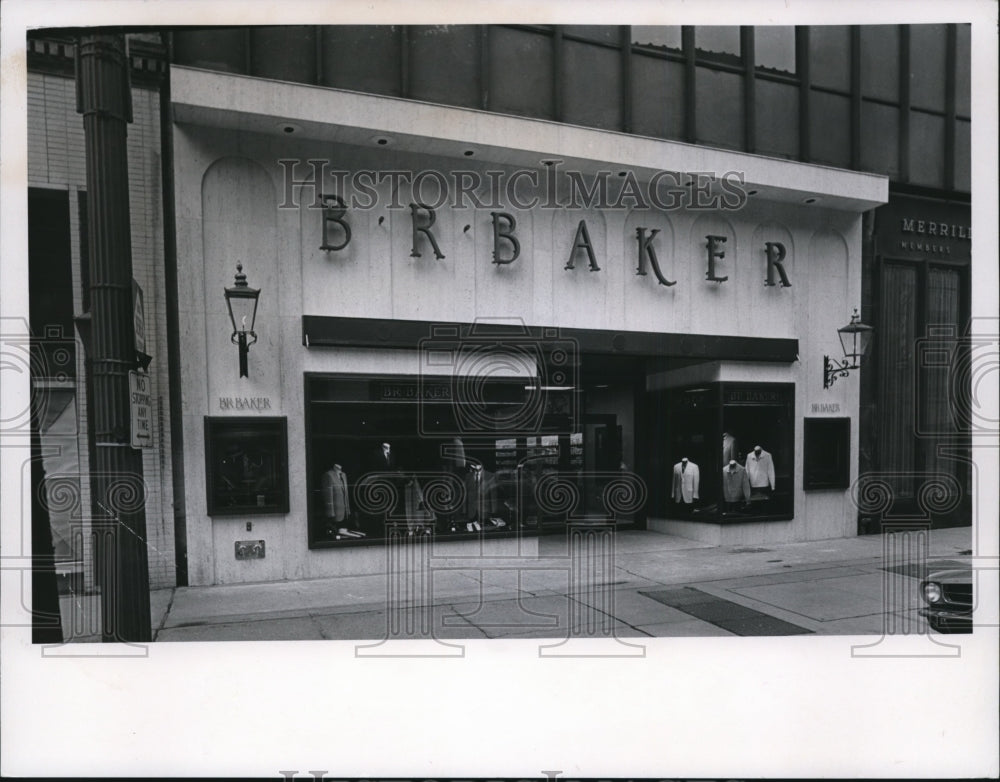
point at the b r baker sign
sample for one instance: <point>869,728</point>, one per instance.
<point>462,192</point>
<point>245,403</point>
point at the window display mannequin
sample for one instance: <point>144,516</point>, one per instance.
<point>337,504</point>
<point>729,449</point>
<point>686,479</point>
<point>480,500</point>
<point>760,470</point>
<point>455,450</point>
<point>384,468</point>
<point>735,486</point>
<point>387,459</point>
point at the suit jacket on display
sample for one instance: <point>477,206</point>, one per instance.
<point>760,470</point>
<point>735,483</point>
<point>336,498</point>
<point>686,481</point>
<point>729,451</point>
<point>480,495</point>
<point>456,450</point>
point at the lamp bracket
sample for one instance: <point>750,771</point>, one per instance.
<point>832,369</point>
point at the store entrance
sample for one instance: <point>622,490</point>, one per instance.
<point>610,412</point>
<point>602,449</point>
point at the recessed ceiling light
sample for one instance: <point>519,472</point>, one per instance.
<point>751,192</point>
<point>382,141</point>
<point>469,152</point>
<point>289,128</point>
<point>809,200</point>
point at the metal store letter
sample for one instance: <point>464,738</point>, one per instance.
<point>646,250</point>
<point>425,229</point>
<point>582,239</point>
<point>334,210</point>
<point>508,234</point>
<point>775,252</point>
<point>713,253</point>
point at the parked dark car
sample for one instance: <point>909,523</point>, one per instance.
<point>948,594</point>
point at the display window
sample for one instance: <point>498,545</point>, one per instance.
<point>426,454</point>
<point>246,466</point>
<point>724,452</point>
<point>418,452</point>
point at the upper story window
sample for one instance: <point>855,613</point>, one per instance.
<point>718,40</point>
<point>658,36</point>
<point>774,47</point>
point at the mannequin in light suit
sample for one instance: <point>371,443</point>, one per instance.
<point>735,486</point>
<point>337,503</point>
<point>686,479</point>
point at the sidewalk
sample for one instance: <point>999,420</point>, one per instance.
<point>659,585</point>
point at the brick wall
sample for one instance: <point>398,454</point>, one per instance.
<point>56,160</point>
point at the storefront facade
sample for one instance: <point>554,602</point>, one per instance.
<point>508,304</point>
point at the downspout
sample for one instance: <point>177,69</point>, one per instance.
<point>173,327</point>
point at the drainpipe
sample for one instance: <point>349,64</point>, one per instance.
<point>173,326</point>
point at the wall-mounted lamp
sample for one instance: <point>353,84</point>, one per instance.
<point>854,339</point>
<point>241,300</point>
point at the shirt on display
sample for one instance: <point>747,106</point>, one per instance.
<point>760,467</point>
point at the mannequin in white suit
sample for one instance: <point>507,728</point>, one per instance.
<point>686,479</point>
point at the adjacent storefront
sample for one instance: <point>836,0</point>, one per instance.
<point>477,327</point>
<point>917,391</point>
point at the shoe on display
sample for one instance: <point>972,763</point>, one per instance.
<point>476,525</point>
<point>350,533</point>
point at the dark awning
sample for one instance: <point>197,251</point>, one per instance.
<point>329,331</point>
